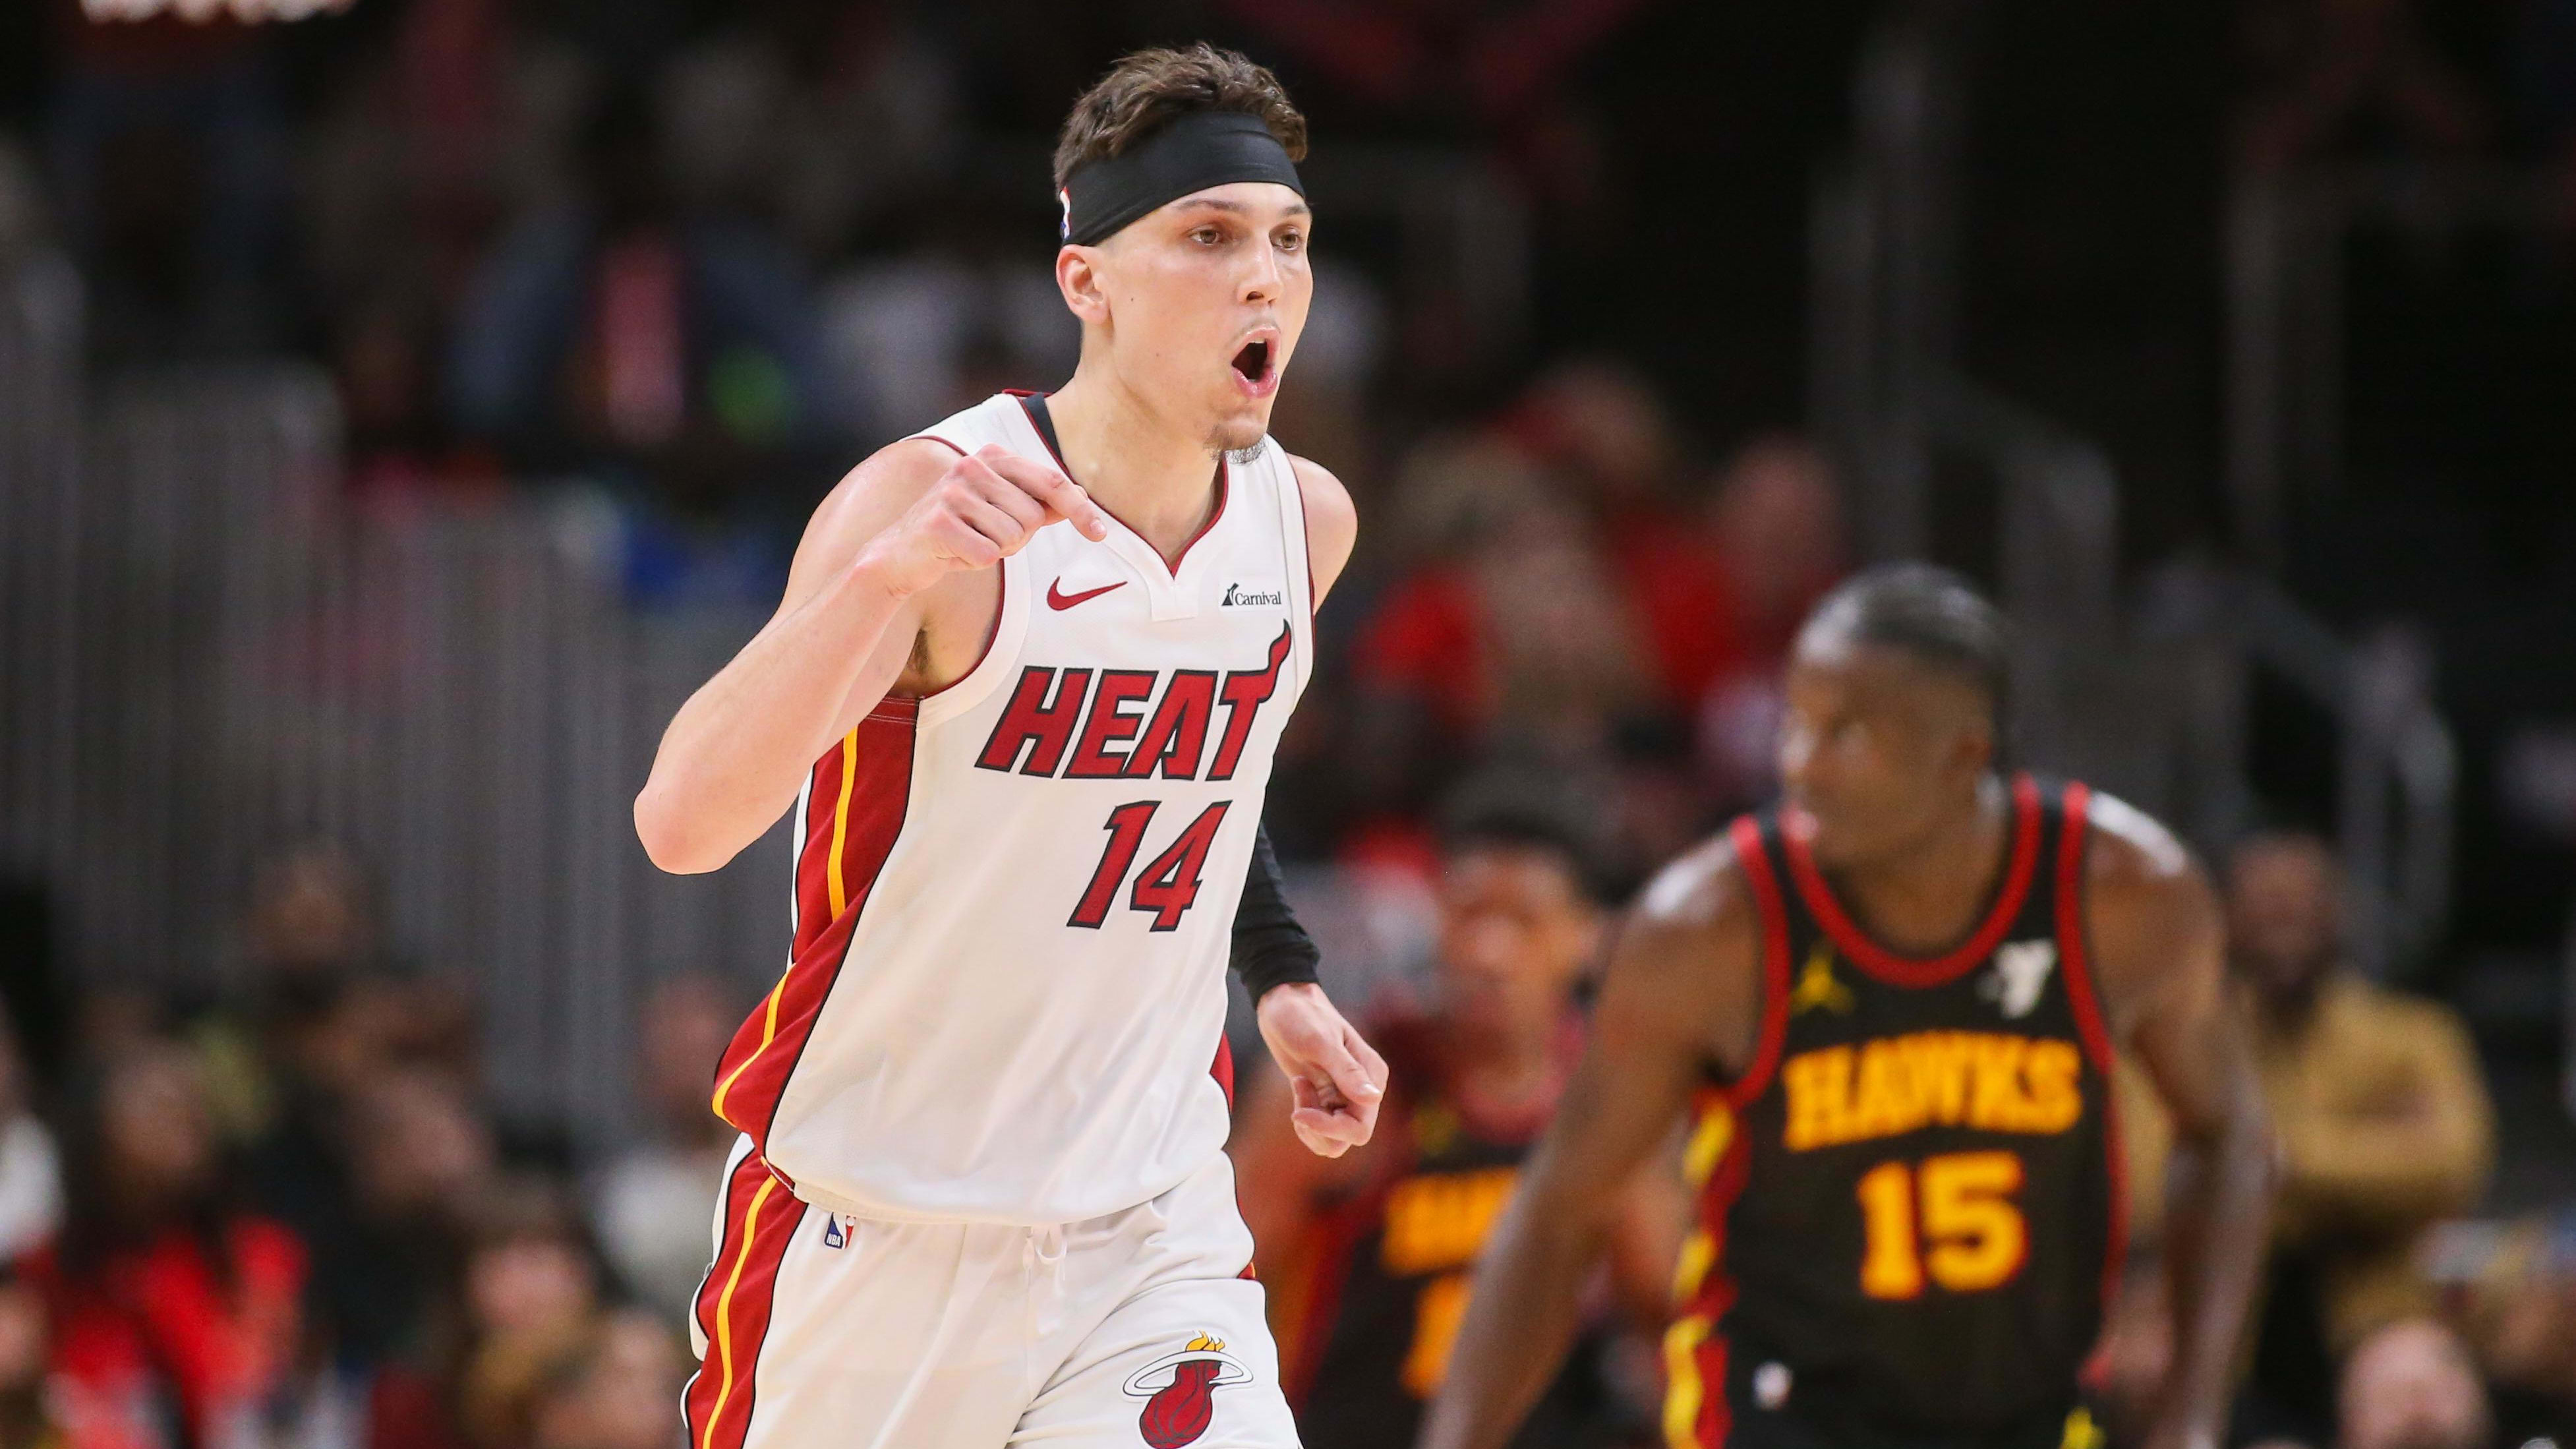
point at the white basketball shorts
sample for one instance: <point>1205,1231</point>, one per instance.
<point>817,1330</point>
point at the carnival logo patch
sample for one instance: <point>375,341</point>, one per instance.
<point>1179,1390</point>
<point>1239,597</point>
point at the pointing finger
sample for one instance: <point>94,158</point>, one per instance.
<point>1062,496</point>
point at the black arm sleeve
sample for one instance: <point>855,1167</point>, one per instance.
<point>1270,948</point>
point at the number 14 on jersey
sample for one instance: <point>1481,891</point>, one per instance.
<point>1169,883</point>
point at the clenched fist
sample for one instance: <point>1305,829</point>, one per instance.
<point>984,509</point>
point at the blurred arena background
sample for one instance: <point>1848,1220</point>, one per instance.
<point>403,405</point>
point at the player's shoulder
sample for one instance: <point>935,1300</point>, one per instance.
<point>2148,906</point>
<point>2131,853</point>
<point>1701,903</point>
<point>876,491</point>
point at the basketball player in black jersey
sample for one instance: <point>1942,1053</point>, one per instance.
<point>1891,1008</point>
<point>1381,1242</point>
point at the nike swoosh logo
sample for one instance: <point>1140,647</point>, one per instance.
<point>1058,599</point>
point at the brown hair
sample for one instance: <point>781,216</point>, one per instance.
<point>1149,89</point>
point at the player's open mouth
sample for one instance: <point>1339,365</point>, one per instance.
<point>1252,368</point>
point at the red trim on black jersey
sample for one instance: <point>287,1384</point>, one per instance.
<point>733,1303</point>
<point>1856,945</point>
<point>1746,835</point>
<point>876,758</point>
<point>1716,1295</point>
<point>2074,950</point>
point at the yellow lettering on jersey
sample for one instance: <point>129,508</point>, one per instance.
<point>1819,1084</point>
<point>1438,1220</point>
<point>1437,1311</point>
<point>2054,1074</point>
<point>1889,1086</point>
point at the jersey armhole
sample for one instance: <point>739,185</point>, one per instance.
<point>1754,855</point>
<point>2075,949</point>
<point>1296,554</point>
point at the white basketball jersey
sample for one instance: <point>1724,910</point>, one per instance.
<point>1015,897</point>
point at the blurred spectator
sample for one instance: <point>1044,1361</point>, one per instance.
<point>2382,1120</point>
<point>2518,1306</point>
<point>1371,1253</point>
<point>2353,74</point>
<point>1778,524</point>
<point>2411,1385</point>
<point>1496,69</point>
<point>821,114</point>
<point>420,1161</point>
<point>26,1418</point>
<point>174,1311</point>
<point>1513,629</point>
<point>31,1182</point>
<point>651,1203</point>
<point>531,1293</point>
<point>168,147</point>
<point>1601,429</point>
<point>675,357</point>
<point>618,1394</point>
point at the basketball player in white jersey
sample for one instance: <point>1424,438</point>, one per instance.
<point>1022,697</point>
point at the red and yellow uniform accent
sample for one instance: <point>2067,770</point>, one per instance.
<point>761,1218</point>
<point>854,806</point>
<point>1695,1408</point>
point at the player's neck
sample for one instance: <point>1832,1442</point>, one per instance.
<point>1159,479</point>
<point>1928,896</point>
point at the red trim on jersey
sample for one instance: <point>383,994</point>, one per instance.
<point>1223,1069</point>
<point>1774,912</point>
<point>1917,971</point>
<point>1716,1294</point>
<point>943,442</point>
<point>813,902</point>
<point>733,1304</point>
<point>2075,953</point>
<point>1172,565</point>
<point>876,758</point>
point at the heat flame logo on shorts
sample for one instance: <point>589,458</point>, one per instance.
<point>1179,1390</point>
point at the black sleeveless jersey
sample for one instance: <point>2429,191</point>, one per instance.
<point>1910,1205</point>
<point>1392,1274</point>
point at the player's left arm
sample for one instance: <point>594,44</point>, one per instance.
<point>1335,1078</point>
<point>2159,956</point>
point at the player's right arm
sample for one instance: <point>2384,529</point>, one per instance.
<point>1682,992</point>
<point>887,562</point>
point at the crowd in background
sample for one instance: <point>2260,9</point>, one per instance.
<point>286,1216</point>
<point>686,263</point>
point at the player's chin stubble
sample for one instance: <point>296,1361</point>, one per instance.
<point>1235,434</point>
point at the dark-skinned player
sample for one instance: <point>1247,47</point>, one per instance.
<point>1889,1011</point>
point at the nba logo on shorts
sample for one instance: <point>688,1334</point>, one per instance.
<point>833,1237</point>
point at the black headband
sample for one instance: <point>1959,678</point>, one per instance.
<point>1200,150</point>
